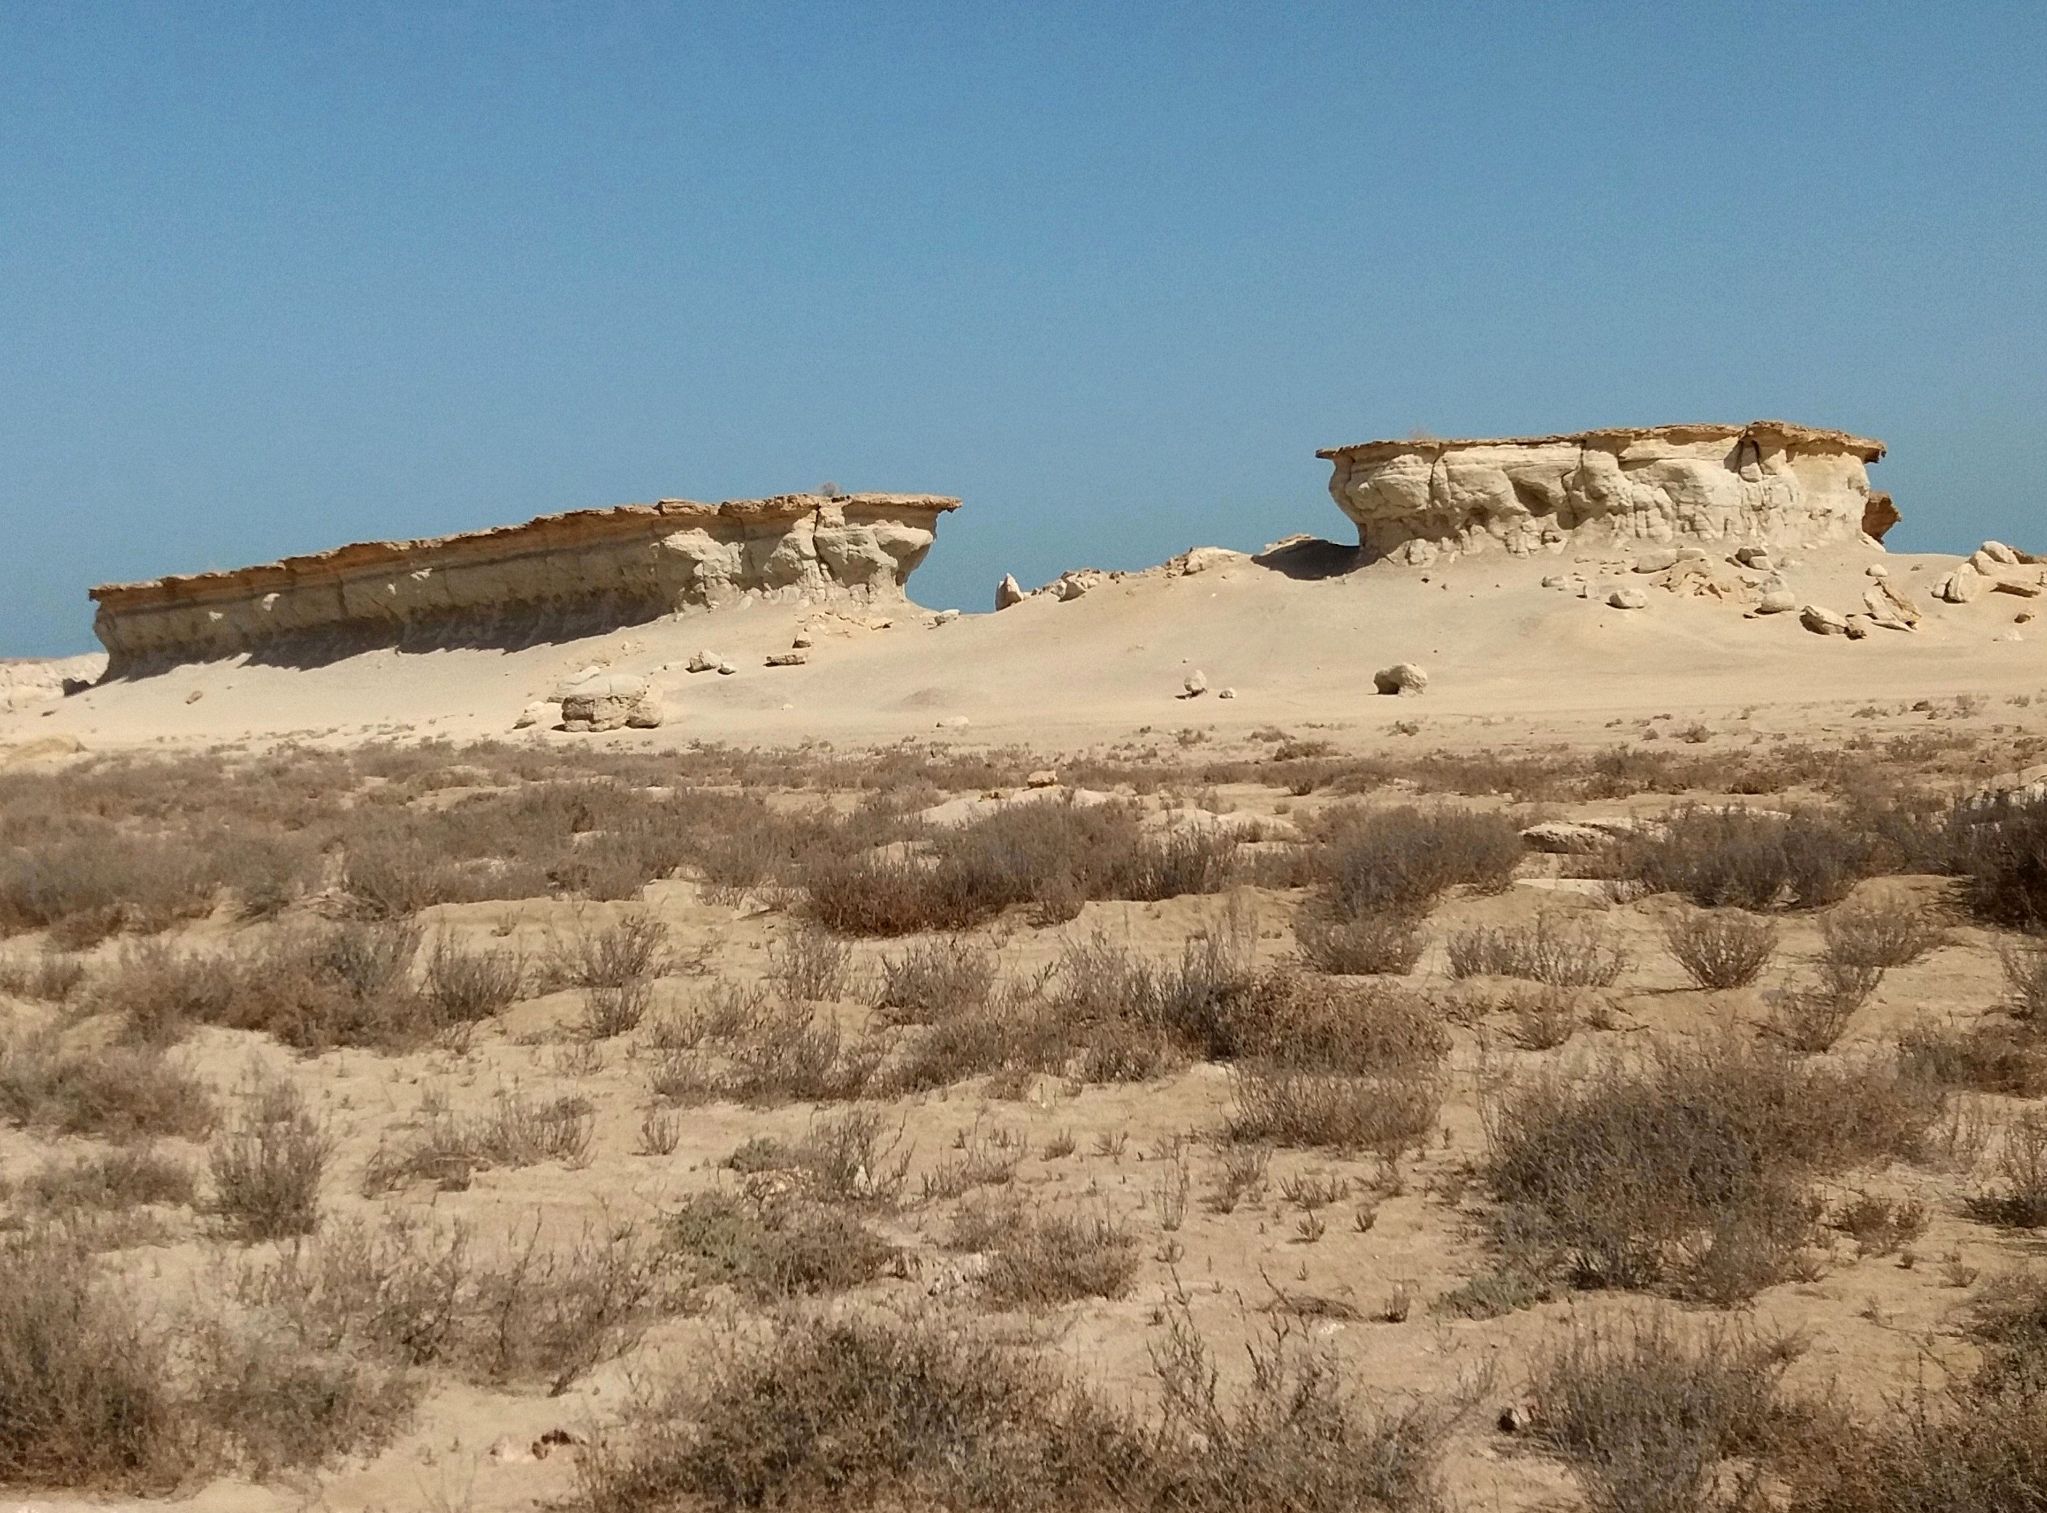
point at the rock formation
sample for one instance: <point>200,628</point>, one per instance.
<point>1728,485</point>
<point>573,573</point>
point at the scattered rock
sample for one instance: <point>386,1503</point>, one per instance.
<point>1203,559</point>
<point>539,712</point>
<point>1885,600</point>
<point>704,661</point>
<point>1628,598</point>
<point>1757,557</point>
<point>1008,592</point>
<point>1072,585</point>
<point>802,643</point>
<point>510,1450</point>
<point>1517,1418</point>
<point>1776,601</point>
<point>1565,838</point>
<point>1961,586</point>
<point>1401,678</point>
<point>1044,777</point>
<point>1656,559</point>
<point>2017,586</point>
<point>1857,628</point>
<point>794,658</point>
<point>944,617</point>
<point>1876,570</point>
<point>608,701</point>
<point>954,722</point>
<point>725,668</point>
<point>1196,684</point>
<point>1822,622</point>
<point>195,696</point>
<point>1227,693</point>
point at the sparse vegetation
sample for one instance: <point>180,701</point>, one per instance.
<point>1554,951</point>
<point>1720,948</point>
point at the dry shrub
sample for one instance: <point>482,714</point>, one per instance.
<point>2001,851</point>
<point>1812,1019</point>
<point>935,980</point>
<point>2025,974</point>
<point>1880,1225</point>
<point>267,1166</point>
<point>86,1397</point>
<point>1750,860</point>
<point>46,977</point>
<point>1386,1113</point>
<point>103,879</point>
<point>517,1131</point>
<point>1649,1423</point>
<point>1721,949</point>
<point>856,1412</point>
<point>809,965</point>
<point>2020,1198</point>
<point>1991,1057</point>
<point>1690,1167</point>
<point>1880,933</point>
<point>776,1247</point>
<point>273,1406</point>
<point>116,1092</point>
<point>159,992</point>
<point>1980,1443</point>
<point>411,1295</point>
<point>1387,941</point>
<point>461,986</point>
<point>1553,950</point>
<point>127,1176</point>
<point>1405,859</point>
<point>1045,1262</point>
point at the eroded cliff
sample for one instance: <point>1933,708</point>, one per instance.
<point>1766,482</point>
<point>558,575</point>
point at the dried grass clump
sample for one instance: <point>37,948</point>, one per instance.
<point>1403,860</point>
<point>937,979</point>
<point>100,878</point>
<point>2001,852</point>
<point>1991,1057</point>
<point>1749,860</point>
<point>1651,1423</point>
<point>51,1081</point>
<point>1553,950</point>
<point>2019,1200</point>
<point>267,1166</point>
<point>809,965</point>
<point>517,1131</point>
<point>46,977</point>
<point>1720,948</point>
<point>879,1411</point>
<point>2025,974</point>
<point>86,1394</point>
<point>1046,1262</point>
<point>1388,941</point>
<point>1881,933</point>
<point>774,1247</point>
<point>1691,1167</point>
<point>1813,1019</point>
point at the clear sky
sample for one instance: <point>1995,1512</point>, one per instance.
<point>278,276</point>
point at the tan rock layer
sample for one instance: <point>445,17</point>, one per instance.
<point>558,574</point>
<point>1763,482</point>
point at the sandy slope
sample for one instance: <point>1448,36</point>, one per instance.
<point>1497,645</point>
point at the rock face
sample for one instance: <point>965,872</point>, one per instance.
<point>1633,489</point>
<point>587,570</point>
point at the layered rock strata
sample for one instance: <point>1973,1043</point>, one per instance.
<point>559,575</point>
<point>1764,482</point>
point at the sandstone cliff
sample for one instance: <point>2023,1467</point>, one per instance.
<point>559,575</point>
<point>1767,482</point>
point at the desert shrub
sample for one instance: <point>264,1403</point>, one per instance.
<point>791,1054</point>
<point>461,986</point>
<point>46,977</point>
<point>1749,860</point>
<point>1719,948</point>
<point>160,992</point>
<point>1648,1423</point>
<point>2025,975</point>
<point>778,1247</point>
<point>2008,1320</point>
<point>809,965</point>
<point>1405,859</point>
<point>937,979</point>
<point>347,984</point>
<point>1812,1019</point>
<point>1880,933</point>
<point>854,1157</point>
<point>1991,1057</point>
<point>1386,941</point>
<point>880,894</point>
<point>630,948</point>
<point>86,1399</point>
<point>116,1092</point>
<point>1552,950</point>
<point>1042,1263</point>
<point>103,879</point>
<point>1880,1225</point>
<point>1300,1020</point>
<point>852,1412</point>
<point>2020,1197</point>
<point>2001,852</point>
<point>267,1166</point>
<point>517,1131</point>
<point>1494,1293</point>
<point>278,1407</point>
<point>1014,1033</point>
<point>124,1177</point>
<point>1690,1167</point>
<point>857,1412</point>
<point>1386,1112</point>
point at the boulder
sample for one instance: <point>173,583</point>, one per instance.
<point>1565,838</point>
<point>1757,557</point>
<point>1196,684</point>
<point>608,701</point>
<point>1776,601</point>
<point>1401,678</point>
<point>1044,777</point>
<point>1961,586</point>
<point>1822,621</point>
<point>1656,559</point>
<point>1008,592</point>
<point>1885,600</point>
<point>539,712</point>
<point>704,661</point>
<point>1628,598</point>
<point>1227,693</point>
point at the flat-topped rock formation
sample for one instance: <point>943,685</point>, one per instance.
<point>558,575</point>
<point>1767,482</point>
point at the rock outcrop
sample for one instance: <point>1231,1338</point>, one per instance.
<point>1723,485</point>
<point>567,574</point>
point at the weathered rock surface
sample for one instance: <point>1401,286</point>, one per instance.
<point>1822,621</point>
<point>609,701</point>
<point>578,572</point>
<point>1401,678</point>
<point>1008,592</point>
<point>1646,489</point>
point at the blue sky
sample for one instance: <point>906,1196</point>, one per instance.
<point>274,277</point>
